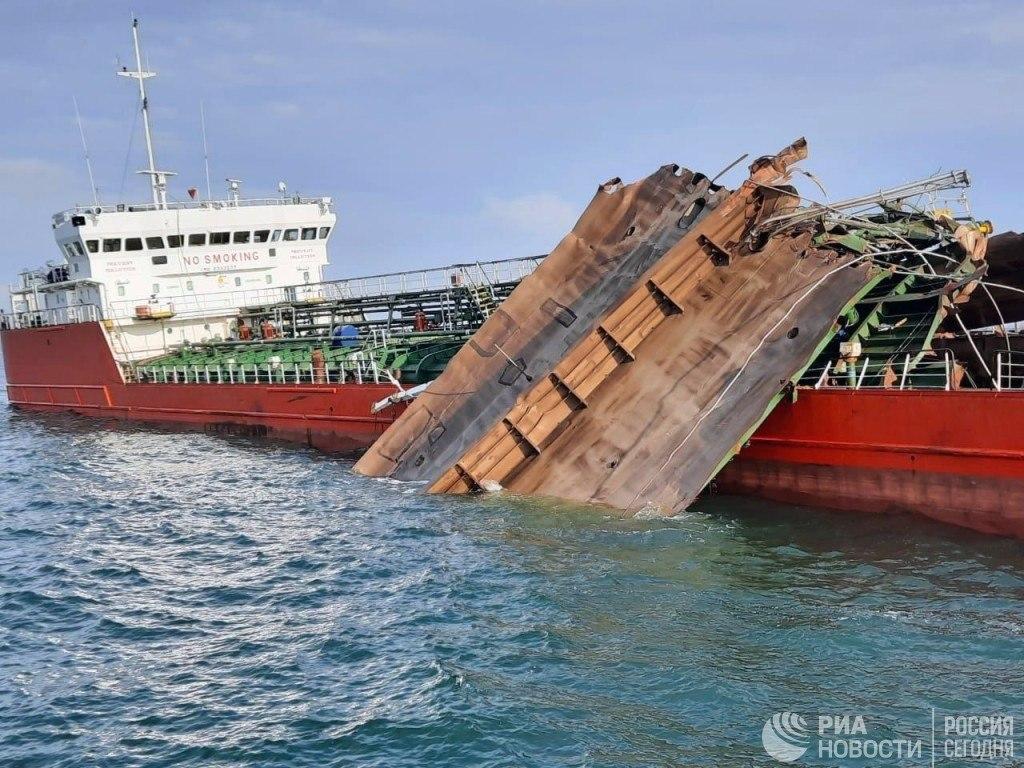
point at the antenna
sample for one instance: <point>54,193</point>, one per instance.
<point>206,152</point>
<point>88,161</point>
<point>157,179</point>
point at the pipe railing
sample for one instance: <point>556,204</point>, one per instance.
<point>439,279</point>
<point>1009,372</point>
<point>181,205</point>
<point>352,371</point>
<point>854,373</point>
<point>75,313</point>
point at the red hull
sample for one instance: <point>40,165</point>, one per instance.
<point>957,457</point>
<point>71,368</point>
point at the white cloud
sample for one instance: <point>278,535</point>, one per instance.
<point>543,214</point>
<point>284,108</point>
<point>29,173</point>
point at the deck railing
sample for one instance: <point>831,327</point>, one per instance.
<point>437,279</point>
<point>181,205</point>
<point>183,306</point>
<point>352,371</point>
<point>1009,371</point>
<point>77,313</point>
<point>856,373</point>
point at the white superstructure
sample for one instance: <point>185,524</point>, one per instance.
<point>162,273</point>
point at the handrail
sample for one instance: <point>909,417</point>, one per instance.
<point>229,302</point>
<point>75,313</point>
<point>435,278</point>
<point>355,370</point>
<point>856,372</point>
<point>1009,374</point>
<point>181,205</point>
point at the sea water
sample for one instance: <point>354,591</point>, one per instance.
<point>179,599</point>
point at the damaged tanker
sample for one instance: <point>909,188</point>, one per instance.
<point>647,349</point>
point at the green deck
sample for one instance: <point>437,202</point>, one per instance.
<point>412,359</point>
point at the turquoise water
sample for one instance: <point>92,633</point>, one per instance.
<point>188,600</point>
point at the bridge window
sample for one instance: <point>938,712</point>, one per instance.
<point>92,245</point>
<point>238,281</point>
<point>67,250</point>
<point>78,248</point>
<point>270,279</point>
<point>261,235</point>
<point>291,234</point>
<point>276,236</point>
<point>120,290</point>
<point>199,239</point>
<point>161,259</point>
<point>156,288</point>
<point>309,233</point>
<point>112,245</point>
<point>324,232</point>
<point>240,237</point>
<point>174,241</point>
<point>219,238</point>
<point>133,244</point>
<point>155,243</point>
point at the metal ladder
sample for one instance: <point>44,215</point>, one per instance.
<point>482,294</point>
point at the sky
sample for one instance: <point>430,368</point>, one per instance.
<point>463,131</point>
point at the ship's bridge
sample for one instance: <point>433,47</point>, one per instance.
<point>144,252</point>
<point>133,262</point>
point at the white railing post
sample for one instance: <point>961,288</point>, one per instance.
<point>863,370</point>
<point>946,360</point>
<point>999,372</point>
<point>906,368</point>
<point>824,375</point>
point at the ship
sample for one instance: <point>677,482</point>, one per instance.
<point>215,314</point>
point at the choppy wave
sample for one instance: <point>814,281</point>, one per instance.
<point>188,600</point>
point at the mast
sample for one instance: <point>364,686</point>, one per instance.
<point>157,179</point>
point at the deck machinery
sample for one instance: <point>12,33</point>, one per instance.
<point>399,328</point>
